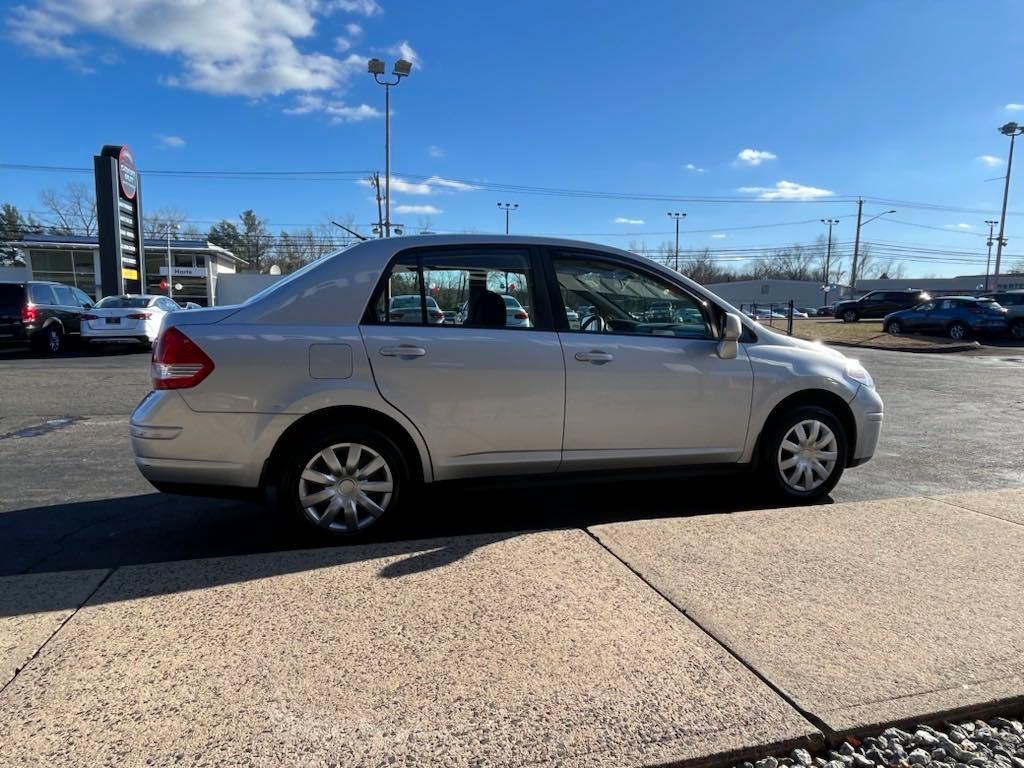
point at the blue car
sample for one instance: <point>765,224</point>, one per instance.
<point>958,317</point>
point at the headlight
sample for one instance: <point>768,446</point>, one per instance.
<point>857,372</point>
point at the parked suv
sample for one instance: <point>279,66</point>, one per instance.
<point>313,389</point>
<point>45,315</point>
<point>956,316</point>
<point>1013,301</point>
<point>878,304</point>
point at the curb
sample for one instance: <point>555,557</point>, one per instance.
<point>914,350</point>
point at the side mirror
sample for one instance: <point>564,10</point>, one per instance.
<point>729,345</point>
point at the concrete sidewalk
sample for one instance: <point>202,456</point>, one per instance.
<point>504,650</point>
<point>863,614</point>
<point>514,649</point>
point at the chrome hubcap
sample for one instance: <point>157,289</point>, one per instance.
<point>345,487</point>
<point>54,341</point>
<point>957,332</point>
<point>894,328</point>
<point>807,455</point>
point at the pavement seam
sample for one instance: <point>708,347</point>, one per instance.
<point>975,511</point>
<point>53,634</point>
<point>810,717</point>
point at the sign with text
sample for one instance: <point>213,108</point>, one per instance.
<point>119,219</point>
<point>185,271</point>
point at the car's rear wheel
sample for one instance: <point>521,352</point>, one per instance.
<point>340,482</point>
<point>804,452</point>
<point>850,316</point>
<point>50,340</point>
<point>959,331</point>
<point>895,327</point>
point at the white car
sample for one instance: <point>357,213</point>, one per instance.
<point>127,318</point>
<point>407,309</point>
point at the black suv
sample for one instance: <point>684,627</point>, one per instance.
<point>46,315</point>
<point>1013,301</point>
<point>878,304</point>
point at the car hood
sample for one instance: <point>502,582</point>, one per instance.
<point>768,336</point>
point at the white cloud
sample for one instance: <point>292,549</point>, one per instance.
<point>173,142</point>
<point>752,157</point>
<point>405,51</point>
<point>719,236</point>
<point>353,30</point>
<point>990,160</point>
<point>427,187</point>
<point>788,190</point>
<point>694,168</point>
<point>435,151</point>
<point>246,47</point>
<point>960,226</point>
<point>624,220</point>
<point>338,111</point>
<point>362,7</point>
<point>421,209</point>
<point>1015,107</point>
<point>342,44</point>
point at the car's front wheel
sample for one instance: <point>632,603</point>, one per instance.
<point>804,452</point>
<point>850,316</point>
<point>1017,330</point>
<point>340,482</point>
<point>895,327</point>
<point>50,340</point>
<point>959,331</point>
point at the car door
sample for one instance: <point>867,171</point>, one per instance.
<point>918,319</point>
<point>642,393</point>
<point>69,308</point>
<point>488,398</point>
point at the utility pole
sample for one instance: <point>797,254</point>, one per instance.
<point>828,256</point>
<point>856,249</point>
<point>1013,130</point>
<point>988,260</point>
<point>678,217</point>
<point>508,208</point>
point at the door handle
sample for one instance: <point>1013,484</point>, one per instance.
<point>594,356</point>
<point>404,350</point>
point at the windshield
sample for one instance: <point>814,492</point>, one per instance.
<point>123,302</point>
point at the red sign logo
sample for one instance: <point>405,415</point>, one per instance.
<point>127,174</point>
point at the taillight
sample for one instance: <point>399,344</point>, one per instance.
<point>437,315</point>
<point>138,316</point>
<point>90,317</point>
<point>520,315</point>
<point>29,314</point>
<point>178,362</point>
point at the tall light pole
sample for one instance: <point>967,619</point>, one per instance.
<point>856,243</point>
<point>507,208</point>
<point>988,259</point>
<point>1013,131</point>
<point>170,264</point>
<point>828,256</point>
<point>678,217</point>
<point>401,69</point>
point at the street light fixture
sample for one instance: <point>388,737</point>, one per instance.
<point>1013,130</point>
<point>507,207</point>
<point>401,69</point>
<point>678,217</point>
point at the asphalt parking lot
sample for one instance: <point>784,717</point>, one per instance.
<point>72,498</point>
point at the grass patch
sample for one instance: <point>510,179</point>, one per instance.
<point>865,332</point>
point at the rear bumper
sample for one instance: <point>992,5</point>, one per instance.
<point>105,334</point>
<point>176,446</point>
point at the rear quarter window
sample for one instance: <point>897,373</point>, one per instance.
<point>41,294</point>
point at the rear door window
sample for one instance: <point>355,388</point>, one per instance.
<point>41,294</point>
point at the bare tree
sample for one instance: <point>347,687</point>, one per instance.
<point>156,223</point>
<point>71,211</point>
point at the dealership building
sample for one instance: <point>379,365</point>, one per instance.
<point>196,265</point>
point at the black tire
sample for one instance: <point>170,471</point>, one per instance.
<point>850,316</point>
<point>49,341</point>
<point>146,343</point>
<point>958,331</point>
<point>1017,330</point>
<point>306,447</point>
<point>771,442</point>
<point>895,327</point>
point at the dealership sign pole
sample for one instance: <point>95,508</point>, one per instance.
<point>119,219</point>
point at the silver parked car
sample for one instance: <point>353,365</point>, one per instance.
<point>313,388</point>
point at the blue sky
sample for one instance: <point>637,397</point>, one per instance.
<point>895,100</point>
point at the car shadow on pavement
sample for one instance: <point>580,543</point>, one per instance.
<point>448,524</point>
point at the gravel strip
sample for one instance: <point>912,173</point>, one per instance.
<point>997,743</point>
